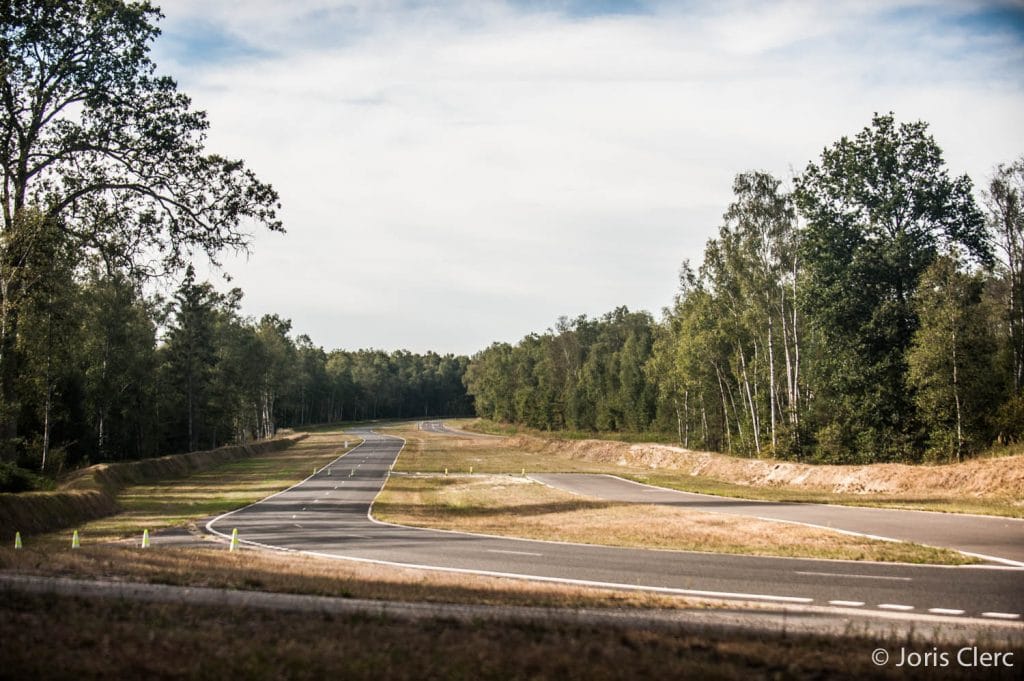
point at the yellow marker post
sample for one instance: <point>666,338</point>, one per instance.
<point>145,539</point>
<point>471,470</point>
<point>446,472</point>
<point>75,542</point>
<point>17,540</point>
<point>234,539</point>
<point>524,473</point>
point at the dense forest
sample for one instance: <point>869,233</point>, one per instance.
<point>108,188</point>
<point>874,312</point>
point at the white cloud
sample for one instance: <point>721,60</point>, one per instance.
<point>461,176</point>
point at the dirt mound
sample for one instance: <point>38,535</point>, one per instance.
<point>996,477</point>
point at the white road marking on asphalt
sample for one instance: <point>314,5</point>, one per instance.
<point>894,606</point>
<point>297,525</point>
<point>1002,615</point>
<point>515,553</point>
<point>847,604</point>
<point>945,611</point>
<point>850,576</point>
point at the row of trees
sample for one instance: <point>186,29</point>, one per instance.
<point>108,374</point>
<point>873,313</point>
<point>588,374</point>
<point>108,186</point>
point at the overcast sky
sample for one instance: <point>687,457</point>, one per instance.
<point>455,173</point>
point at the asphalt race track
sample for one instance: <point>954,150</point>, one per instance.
<point>328,514</point>
<point>995,539</point>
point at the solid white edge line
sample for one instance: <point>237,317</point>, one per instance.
<point>995,559</point>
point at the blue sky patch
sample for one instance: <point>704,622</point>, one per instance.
<point>198,42</point>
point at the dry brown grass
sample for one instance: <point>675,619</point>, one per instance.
<point>214,566</point>
<point>51,637</point>
<point>517,507</point>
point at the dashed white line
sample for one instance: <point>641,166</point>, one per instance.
<point>895,606</point>
<point>945,611</point>
<point>850,576</point>
<point>1001,615</point>
<point>515,553</point>
<point>847,604</point>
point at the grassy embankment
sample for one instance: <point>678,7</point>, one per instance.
<point>168,491</point>
<point>976,486</point>
<point>511,505</point>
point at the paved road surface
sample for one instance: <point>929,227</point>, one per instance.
<point>1001,539</point>
<point>327,514</point>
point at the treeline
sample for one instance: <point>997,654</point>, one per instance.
<point>875,312</point>
<point>107,187</point>
<point>107,374</point>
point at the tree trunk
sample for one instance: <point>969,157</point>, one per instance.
<point>753,408</point>
<point>956,400</point>
<point>771,381</point>
<point>725,411</point>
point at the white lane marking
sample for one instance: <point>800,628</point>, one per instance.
<point>515,553</point>
<point>297,525</point>
<point>847,604</point>
<point>316,501</point>
<point>1003,561</point>
<point>895,606</point>
<point>850,576</point>
<point>945,611</point>
<point>1002,615</point>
